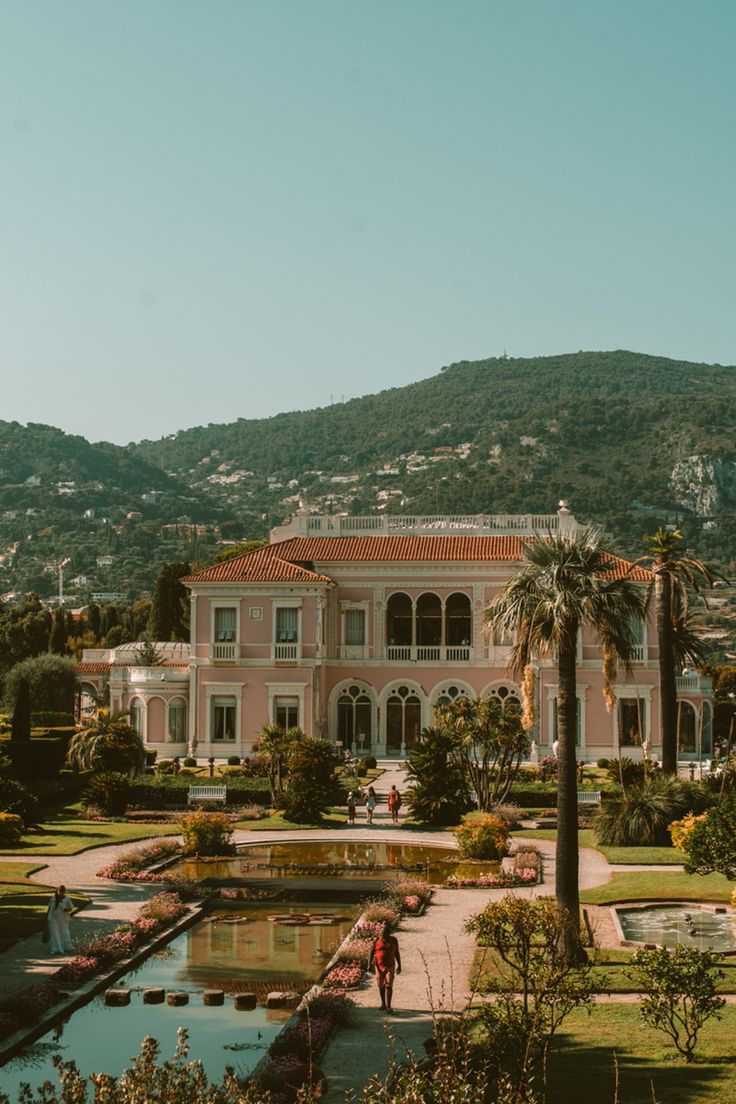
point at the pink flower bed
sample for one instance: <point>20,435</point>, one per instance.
<point>412,903</point>
<point>78,969</point>
<point>130,867</point>
<point>493,881</point>
<point>344,975</point>
<point>369,929</point>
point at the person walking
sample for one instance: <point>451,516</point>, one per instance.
<point>386,963</point>
<point>351,808</point>
<point>57,919</point>
<point>370,804</point>
<point>394,804</point>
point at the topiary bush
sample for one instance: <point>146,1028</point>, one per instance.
<point>11,829</point>
<point>190,761</point>
<point>368,762</point>
<point>233,760</point>
<point>482,836</point>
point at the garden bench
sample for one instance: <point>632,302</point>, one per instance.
<point>198,794</point>
<point>589,797</point>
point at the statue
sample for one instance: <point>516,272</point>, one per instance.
<point>646,747</point>
<point>555,747</point>
<point>534,753</point>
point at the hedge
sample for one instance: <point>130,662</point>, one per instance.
<point>40,757</point>
<point>152,791</point>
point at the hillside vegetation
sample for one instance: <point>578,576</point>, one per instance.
<point>630,440</point>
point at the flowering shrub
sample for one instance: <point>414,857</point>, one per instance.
<point>11,829</point>
<point>251,812</point>
<point>164,907</point>
<point>78,969</point>
<point>368,929</point>
<point>329,1005</point>
<point>680,830</point>
<point>146,925</point>
<point>304,1038</point>
<point>25,1006</point>
<point>206,834</point>
<point>344,975</point>
<point>381,913</point>
<point>357,950</point>
<point>527,858</point>
<point>125,867</point>
<point>412,903</point>
<point>482,836</point>
<point>493,881</point>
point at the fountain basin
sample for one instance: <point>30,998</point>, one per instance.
<point>707,927</point>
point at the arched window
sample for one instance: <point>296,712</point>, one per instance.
<point>458,621</point>
<point>136,716</point>
<point>177,725</point>
<point>403,720</point>
<point>449,693</point>
<point>354,719</point>
<point>507,695</point>
<point>399,620</point>
<point>87,699</point>
<point>429,620</point>
<point>687,736</point>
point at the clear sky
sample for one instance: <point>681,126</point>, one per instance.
<point>213,209</point>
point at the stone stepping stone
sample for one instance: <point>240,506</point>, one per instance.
<point>245,1002</point>
<point>117,998</point>
<point>177,999</point>
<point>213,997</point>
<point>154,996</point>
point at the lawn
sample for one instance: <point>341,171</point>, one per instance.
<point>609,971</point>
<point>584,1057</point>
<point>65,834</point>
<point>634,856</point>
<point>664,885</point>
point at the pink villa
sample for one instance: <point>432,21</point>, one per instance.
<point>354,628</point>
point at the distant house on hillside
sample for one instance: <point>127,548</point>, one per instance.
<point>354,628</point>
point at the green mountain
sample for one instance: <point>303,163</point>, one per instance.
<point>630,440</point>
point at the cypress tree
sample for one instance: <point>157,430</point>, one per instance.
<point>57,636</point>
<point>20,727</point>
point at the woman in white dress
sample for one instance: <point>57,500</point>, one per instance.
<point>57,918</point>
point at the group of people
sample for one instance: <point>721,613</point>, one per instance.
<point>393,800</point>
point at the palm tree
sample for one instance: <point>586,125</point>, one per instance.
<point>672,574</point>
<point>273,748</point>
<point>106,741</point>
<point>568,582</point>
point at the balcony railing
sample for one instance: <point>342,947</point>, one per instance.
<point>638,653</point>
<point>700,683</point>
<point>286,651</point>
<point>432,653</point>
<point>221,651</point>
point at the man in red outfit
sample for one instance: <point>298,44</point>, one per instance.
<point>386,964</point>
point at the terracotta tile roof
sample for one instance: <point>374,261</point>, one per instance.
<point>93,668</point>
<point>264,565</point>
<point>403,549</point>
<point>277,563</point>
<point>623,569</point>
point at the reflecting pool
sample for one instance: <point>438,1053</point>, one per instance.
<point>690,925</point>
<point>336,859</point>
<point>234,950</point>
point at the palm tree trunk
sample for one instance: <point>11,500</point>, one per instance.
<point>667,679</point>
<point>567,890</point>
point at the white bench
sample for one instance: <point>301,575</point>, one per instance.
<point>199,794</point>
<point>589,797</point>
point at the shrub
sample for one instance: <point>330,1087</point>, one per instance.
<point>680,988</point>
<point>189,761</point>
<point>368,762</point>
<point>380,912</point>
<point>437,793</point>
<point>357,950</point>
<point>251,812</point>
<point>328,1006</point>
<point>624,771</point>
<point>108,791</point>
<point>344,975</point>
<point>482,836</point>
<point>641,815</point>
<point>151,756</point>
<point>15,798</point>
<point>163,907</point>
<point>233,760</point>
<point>509,813</point>
<point>11,829</point>
<point>165,766</point>
<point>680,830</point>
<point>206,834</point>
